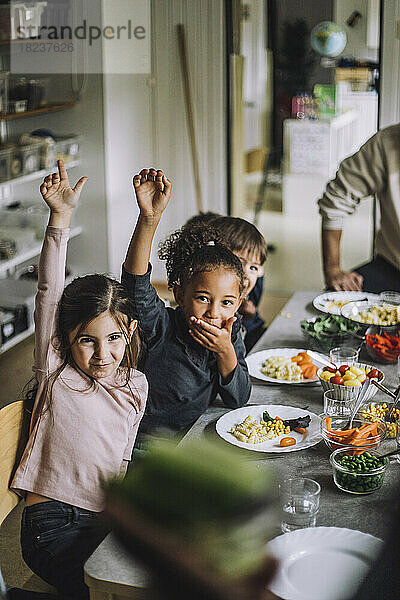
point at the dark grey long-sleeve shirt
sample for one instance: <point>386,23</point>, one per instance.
<point>183,376</point>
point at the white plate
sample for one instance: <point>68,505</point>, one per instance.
<point>319,563</point>
<point>255,362</point>
<point>323,301</point>
<point>234,417</point>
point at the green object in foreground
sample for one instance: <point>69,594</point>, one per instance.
<point>206,495</point>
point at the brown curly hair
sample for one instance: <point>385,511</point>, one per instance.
<point>196,249</point>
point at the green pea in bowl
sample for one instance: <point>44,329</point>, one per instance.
<point>358,471</point>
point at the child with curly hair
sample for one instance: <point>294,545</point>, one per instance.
<point>195,351</point>
<point>246,241</point>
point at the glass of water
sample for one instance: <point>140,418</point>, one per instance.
<point>299,499</point>
<point>339,407</point>
<point>344,355</point>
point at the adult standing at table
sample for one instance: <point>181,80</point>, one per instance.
<point>373,170</point>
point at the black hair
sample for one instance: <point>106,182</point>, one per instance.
<point>197,249</point>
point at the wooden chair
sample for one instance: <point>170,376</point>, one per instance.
<point>14,428</point>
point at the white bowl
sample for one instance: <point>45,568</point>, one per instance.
<point>351,310</point>
<point>344,392</point>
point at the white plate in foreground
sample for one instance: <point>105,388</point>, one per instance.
<point>234,417</point>
<point>318,563</point>
<point>325,302</point>
<point>255,362</point>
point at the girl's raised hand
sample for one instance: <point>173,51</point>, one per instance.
<point>57,192</point>
<point>153,191</point>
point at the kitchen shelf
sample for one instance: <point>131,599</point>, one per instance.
<point>6,265</point>
<point>20,337</point>
<point>16,339</point>
<point>37,174</point>
<point>37,111</point>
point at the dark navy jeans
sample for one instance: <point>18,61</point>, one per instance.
<point>56,540</point>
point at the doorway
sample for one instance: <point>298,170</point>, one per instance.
<point>280,164</point>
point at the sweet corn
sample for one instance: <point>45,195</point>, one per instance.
<point>375,412</point>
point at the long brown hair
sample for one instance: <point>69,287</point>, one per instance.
<point>84,299</point>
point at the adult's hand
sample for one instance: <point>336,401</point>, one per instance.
<point>339,281</point>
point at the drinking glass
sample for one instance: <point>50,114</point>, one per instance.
<point>334,406</point>
<point>398,436</point>
<point>299,499</point>
<point>344,355</point>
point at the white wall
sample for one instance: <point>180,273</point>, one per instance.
<point>145,123</point>
<point>356,46</point>
<point>253,41</point>
<point>204,23</point>
<point>389,112</point>
<point>127,141</point>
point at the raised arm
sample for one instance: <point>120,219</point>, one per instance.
<point>153,191</point>
<point>61,200</point>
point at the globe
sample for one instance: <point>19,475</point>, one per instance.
<point>328,38</point>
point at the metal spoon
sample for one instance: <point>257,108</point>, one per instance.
<point>383,388</point>
<point>392,453</point>
<point>395,395</point>
<point>321,359</point>
<point>359,401</point>
<point>395,403</point>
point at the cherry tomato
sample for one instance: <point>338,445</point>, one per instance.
<point>373,373</point>
<point>330,369</point>
<point>287,441</point>
<point>337,379</point>
<point>343,369</point>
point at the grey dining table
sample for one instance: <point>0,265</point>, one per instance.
<point>110,569</point>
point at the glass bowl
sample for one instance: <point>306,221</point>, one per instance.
<point>379,411</point>
<point>344,392</point>
<point>336,441</point>
<point>375,354</point>
<point>329,333</point>
<point>358,473</point>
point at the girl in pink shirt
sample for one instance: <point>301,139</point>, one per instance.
<point>88,405</point>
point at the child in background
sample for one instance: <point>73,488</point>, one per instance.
<point>196,350</point>
<point>88,405</point>
<point>244,239</point>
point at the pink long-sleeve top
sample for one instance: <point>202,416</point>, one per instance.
<point>86,431</point>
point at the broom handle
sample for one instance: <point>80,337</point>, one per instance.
<point>189,114</point>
